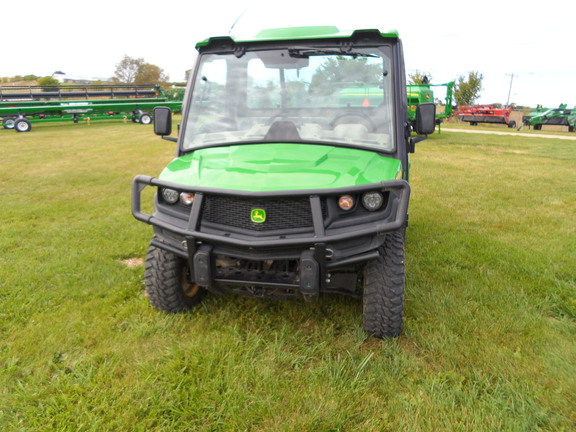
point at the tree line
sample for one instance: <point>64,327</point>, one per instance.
<point>129,70</point>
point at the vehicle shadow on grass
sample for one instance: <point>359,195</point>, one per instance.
<point>330,314</point>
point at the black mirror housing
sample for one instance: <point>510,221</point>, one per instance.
<point>162,121</point>
<point>425,118</point>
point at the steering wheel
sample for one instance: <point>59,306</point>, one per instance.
<point>354,118</point>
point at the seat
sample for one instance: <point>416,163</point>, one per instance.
<point>351,131</point>
<point>282,130</point>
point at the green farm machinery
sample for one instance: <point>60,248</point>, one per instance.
<point>366,96</point>
<point>423,93</point>
<point>21,106</point>
<point>561,116</point>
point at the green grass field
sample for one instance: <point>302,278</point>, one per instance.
<point>489,340</point>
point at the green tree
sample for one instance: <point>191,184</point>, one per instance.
<point>467,91</point>
<point>127,70</point>
<point>419,77</point>
<point>150,74</point>
<point>345,71</point>
<point>48,83</point>
<point>137,71</point>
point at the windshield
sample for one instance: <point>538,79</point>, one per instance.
<point>299,94</point>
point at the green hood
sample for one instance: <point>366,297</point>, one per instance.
<point>275,167</point>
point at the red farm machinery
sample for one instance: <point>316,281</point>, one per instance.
<point>475,114</point>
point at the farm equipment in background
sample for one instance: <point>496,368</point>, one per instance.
<point>560,116</point>
<point>21,106</point>
<point>534,112</point>
<point>362,95</point>
<point>421,93</point>
<point>475,114</point>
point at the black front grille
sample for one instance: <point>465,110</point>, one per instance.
<point>281,213</point>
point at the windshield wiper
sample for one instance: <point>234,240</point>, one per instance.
<point>305,52</point>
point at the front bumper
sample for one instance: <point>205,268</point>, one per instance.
<point>328,242</point>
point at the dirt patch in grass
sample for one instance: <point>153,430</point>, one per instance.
<point>133,262</point>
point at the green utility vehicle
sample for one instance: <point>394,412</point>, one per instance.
<point>278,188</point>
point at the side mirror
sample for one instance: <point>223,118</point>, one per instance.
<point>425,118</point>
<point>162,121</point>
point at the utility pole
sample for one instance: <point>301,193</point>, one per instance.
<point>509,90</point>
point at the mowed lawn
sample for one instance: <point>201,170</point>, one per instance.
<point>489,340</point>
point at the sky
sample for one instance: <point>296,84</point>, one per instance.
<point>524,50</point>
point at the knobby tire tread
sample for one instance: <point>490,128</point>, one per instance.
<point>383,299</point>
<point>163,279</point>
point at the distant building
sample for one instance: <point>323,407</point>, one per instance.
<point>63,78</point>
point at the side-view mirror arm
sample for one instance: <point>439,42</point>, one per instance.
<point>413,141</point>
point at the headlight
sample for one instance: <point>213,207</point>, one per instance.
<point>187,198</point>
<point>372,201</point>
<point>346,202</point>
<point>170,196</point>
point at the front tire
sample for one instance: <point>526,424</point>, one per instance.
<point>168,282</point>
<point>383,299</point>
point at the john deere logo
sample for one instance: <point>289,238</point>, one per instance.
<point>258,215</point>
